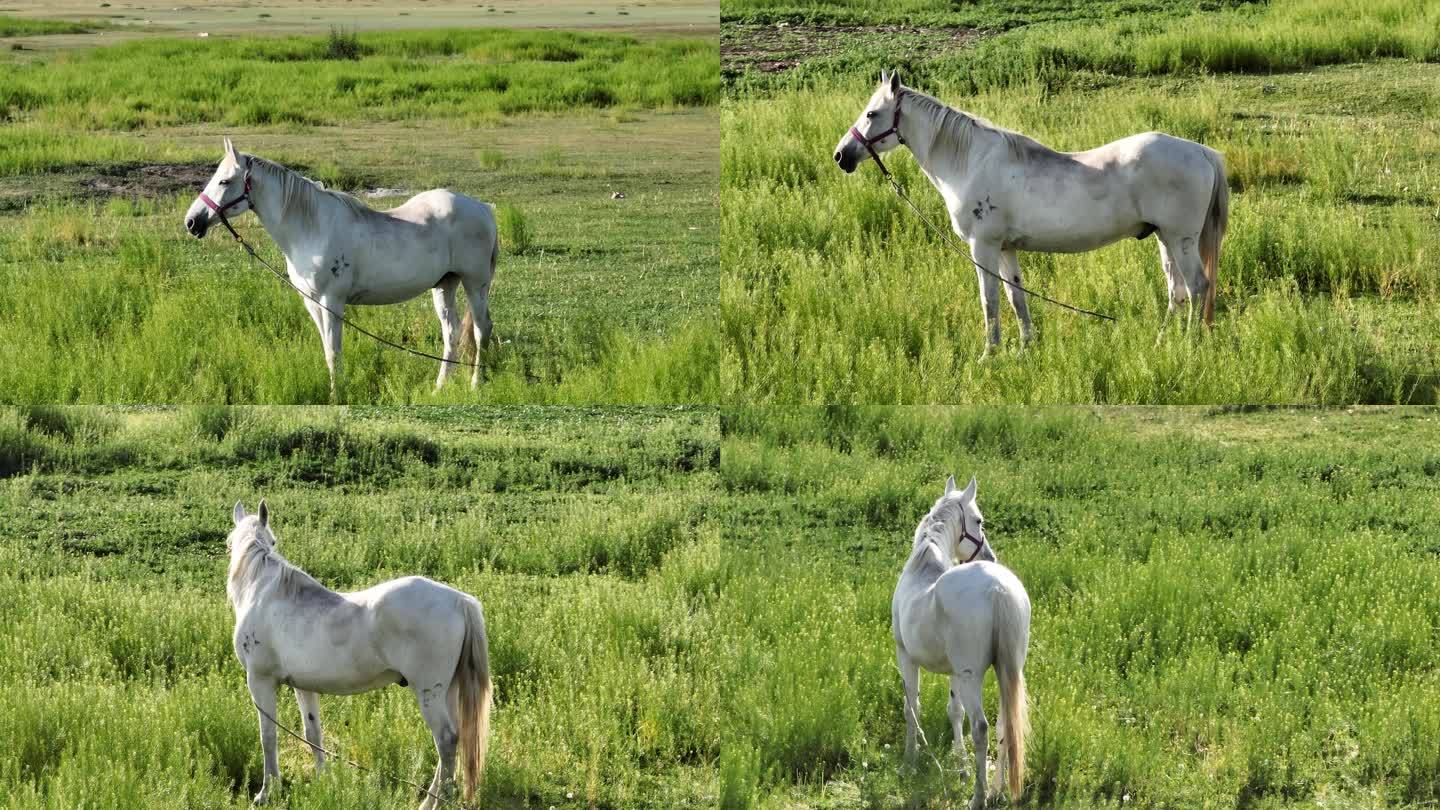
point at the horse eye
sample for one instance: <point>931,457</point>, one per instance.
<point>224,182</point>
<point>870,114</point>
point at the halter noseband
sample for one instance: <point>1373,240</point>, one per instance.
<point>221,209</point>
<point>869,143</point>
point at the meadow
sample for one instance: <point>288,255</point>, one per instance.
<point>586,534</point>
<point>1232,608</point>
<point>833,291</point>
<point>596,299</point>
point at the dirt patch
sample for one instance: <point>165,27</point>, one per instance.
<point>160,180</point>
<point>782,46</point>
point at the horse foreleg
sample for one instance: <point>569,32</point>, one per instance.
<point>309,703</point>
<point>956,711</point>
<point>444,295</point>
<point>262,691</point>
<point>987,257</point>
<point>331,333</point>
<point>910,674</point>
<point>1010,269</point>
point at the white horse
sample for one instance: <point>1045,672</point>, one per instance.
<point>961,620</point>
<point>340,251</point>
<point>290,629</point>
<point>1006,192</point>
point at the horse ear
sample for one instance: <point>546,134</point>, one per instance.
<point>884,77</point>
<point>949,485</point>
<point>264,514</point>
<point>895,82</point>
<point>969,490</point>
<point>230,148</point>
<point>239,513</point>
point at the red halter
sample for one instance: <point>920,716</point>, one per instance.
<point>869,143</point>
<point>221,209</point>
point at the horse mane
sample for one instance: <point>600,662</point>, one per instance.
<point>303,196</point>
<point>955,130</point>
<point>929,533</point>
<point>254,558</point>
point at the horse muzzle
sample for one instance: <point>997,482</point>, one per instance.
<point>845,159</point>
<point>197,225</point>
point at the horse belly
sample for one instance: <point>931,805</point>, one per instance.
<point>380,283</point>
<point>1074,234</point>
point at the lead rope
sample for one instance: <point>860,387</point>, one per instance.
<point>352,763</point>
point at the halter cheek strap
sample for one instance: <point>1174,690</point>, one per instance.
<point>979,544</point>
<point>869,143</point>
<point>221,209</point>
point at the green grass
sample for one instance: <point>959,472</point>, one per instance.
<point>475,75</point>
<point>1231,609</point>
<point>834,292</point>
<point>597,300</point>
<point>585,533</point>
<point>28,27</point>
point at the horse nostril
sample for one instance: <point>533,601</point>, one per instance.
<point>837,155</point>
<point>190,224</point>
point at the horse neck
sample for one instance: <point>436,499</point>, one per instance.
<point>921,131</point>
<point>270,191</point>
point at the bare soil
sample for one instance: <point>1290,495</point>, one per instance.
<point>148,181</point>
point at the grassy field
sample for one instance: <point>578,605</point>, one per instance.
<point>598,300</point>
<point>1230,609</point>
<point>586,534</point>
<point>832,291</point>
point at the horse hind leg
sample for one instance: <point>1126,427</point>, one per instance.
<point>445,309</point>
<point>435,705</point>
<point>477,296</point>
<point>968,685</point>
<point>1188,283</point>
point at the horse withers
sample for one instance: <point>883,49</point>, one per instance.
<point>340,251</point>
<point>1007,193</point>
<point>291,630</point>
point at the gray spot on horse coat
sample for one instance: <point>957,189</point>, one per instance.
<point>310,717</point>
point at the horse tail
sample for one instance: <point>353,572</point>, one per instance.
<point>1012,635</point>
<point>1213,232</point>
<point>472,674</point>
<point>467,334</point>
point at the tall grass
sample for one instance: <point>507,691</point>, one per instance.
<point>835,292</point>
<point>1229,609</point>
